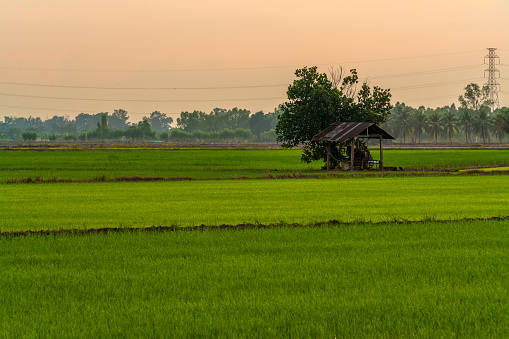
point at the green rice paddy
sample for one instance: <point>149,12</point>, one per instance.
<point>416,280</point>
<point>427,279</point>
<point>215,202</point>
<point>217,163</point>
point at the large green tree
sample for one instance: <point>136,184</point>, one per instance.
<point>315,101</point>
<point>475,97</point>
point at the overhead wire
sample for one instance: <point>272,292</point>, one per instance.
<point>232,68</point>
<point>70,110</point>
<point>434,84</point>
<point>389,76</point>
<point>139,88</point>
<point>132,100</point>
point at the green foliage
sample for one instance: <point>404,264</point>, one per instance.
<point>70,137</point>
<point>269,136</point>
<point>503,119</point>
<point>82,136</point>
<point>475,97</point>
<point>164,135</point>
<point>29,136</point>
<point>177,134</point>
<point>225,135</point>
<point>314,102</point>
<point>219,119</point>
<point>159,121</point>
<point>53,136</point>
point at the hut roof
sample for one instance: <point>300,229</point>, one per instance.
<point>342,131</point>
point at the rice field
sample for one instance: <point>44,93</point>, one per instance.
<point>414,280</point>
<point>215,163</point>
<point>215,202</point>
<point>426,279</point>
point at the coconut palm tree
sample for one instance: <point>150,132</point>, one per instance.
<point>482,124</point>
<point>435,126</point>
<point>402,119</point>
<point>466,120</point>
<point>500,126</point>
<point>420,123</point>
<point>449,122</point>
<point>503,119</point>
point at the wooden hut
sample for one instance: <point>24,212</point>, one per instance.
<point>353,131</point>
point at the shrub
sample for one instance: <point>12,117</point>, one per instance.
<point>164,135</point>
<point>180,135</point>
<point>269,136</point>
<point>29,136</point>
<point>70,137</point>
<point>53,136</point>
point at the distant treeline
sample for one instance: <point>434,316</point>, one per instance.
<point>220,125</point>
<point>448,124</point>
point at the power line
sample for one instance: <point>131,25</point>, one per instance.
<point>432,98</point>
<point>433,84</point>
<point>138,88</point>
<point>228,87</point>
<point>134,100</point>
<point>232,68</point>
<point>69,110</point>
<point>441,70</point>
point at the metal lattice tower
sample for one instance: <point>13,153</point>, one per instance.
<point>493,74</point>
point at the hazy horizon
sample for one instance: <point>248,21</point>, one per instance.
<point>91,55</point>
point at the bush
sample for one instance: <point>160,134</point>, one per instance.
<point>242,134</point>
<point>269,136</point>
<point>82,136</point>
<point>29,136</point>
<point>70,137</point>
<point>180,135</point>
<point>164,135</point>
<point>226,135</point>
<point>53,136</point>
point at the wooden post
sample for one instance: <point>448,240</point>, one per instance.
<point>352,153</point>
<point>328,156</point>
<point>381,155</point>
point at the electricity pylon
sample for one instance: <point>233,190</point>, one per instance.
<point>492,83</point>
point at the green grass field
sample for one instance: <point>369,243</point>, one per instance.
<point>214,202</point>
<point>195,163</point>
<point>415,280</point>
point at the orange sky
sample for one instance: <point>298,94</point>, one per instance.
<point>221,43</point>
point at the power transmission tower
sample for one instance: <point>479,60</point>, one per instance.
<point>492,83</point>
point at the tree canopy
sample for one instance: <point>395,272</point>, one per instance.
<point>315,101</point>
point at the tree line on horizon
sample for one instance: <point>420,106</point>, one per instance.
<point>219,125</point>
<point>473,122</point>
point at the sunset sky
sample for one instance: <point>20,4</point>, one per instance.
<point>99,55</point>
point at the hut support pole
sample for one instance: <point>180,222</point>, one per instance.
<point>328,156</point>
<point>381,155</point>
<point>352,153</point>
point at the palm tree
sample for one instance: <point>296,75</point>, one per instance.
<point>434,126</point>
<point>501,124</point>
<point>482,124</point>
<point>420,123</point>
<point>449,122</point>
<point>466,120</point>
<point>503,119</point>
<point>401,119</point>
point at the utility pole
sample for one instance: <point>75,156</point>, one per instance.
<point>492,83</point>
